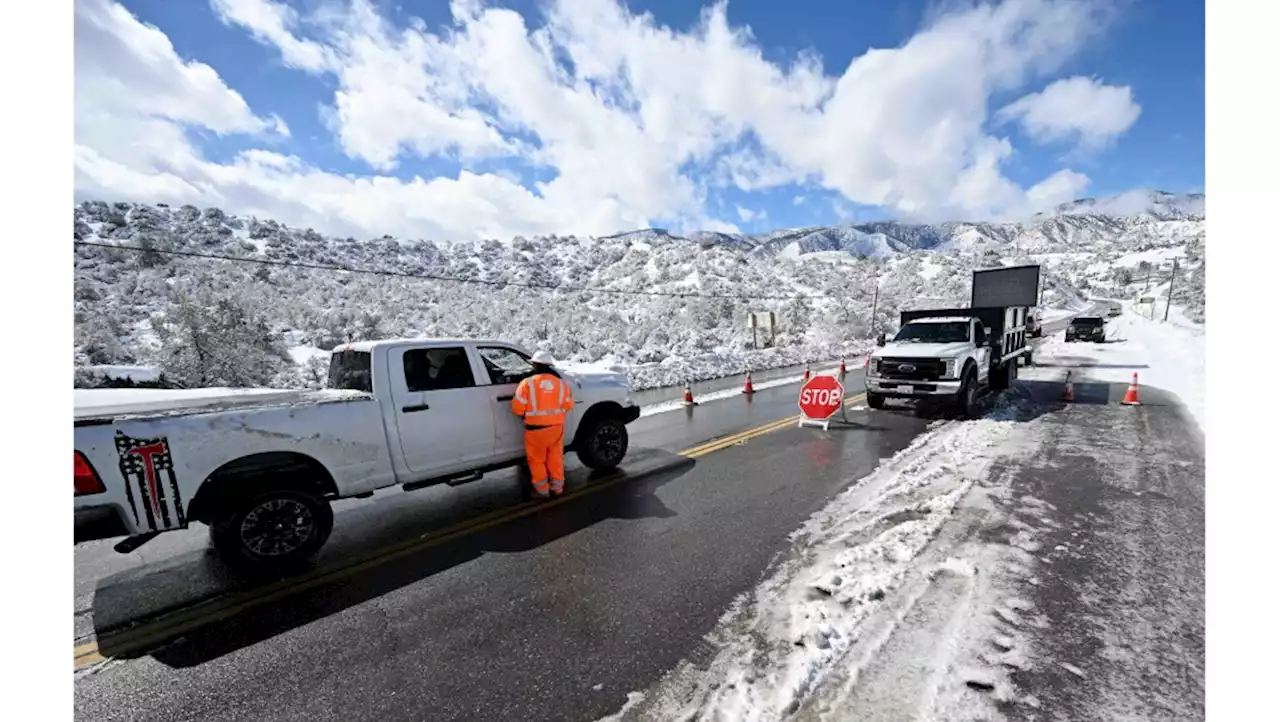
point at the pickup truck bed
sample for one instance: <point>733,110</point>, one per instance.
<point>96,406</point>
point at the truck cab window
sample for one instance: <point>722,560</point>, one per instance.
<point>947,332</point>
<point>351,371</point>
<point>437,369</point>
<point>504,365</point>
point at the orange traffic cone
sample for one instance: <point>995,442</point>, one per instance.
<point>688,395</point>
<point>843,370</point>
<point>747,388</point>
<point>806,371</point>
<point>1131,396</point>
<point>1069,391</point>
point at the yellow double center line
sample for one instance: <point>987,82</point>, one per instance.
<point>221,608</point>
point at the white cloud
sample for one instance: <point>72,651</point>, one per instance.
<point>124,67</point>
<point>273,23</point>
<point>798,200</point>
<point>640,127</point>
<point>747,215</point>
<point>1076,108</point>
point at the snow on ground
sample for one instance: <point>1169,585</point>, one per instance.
<point>303,354</point>
<point>676,370</point>
<point>115,372</point>
<point>1169,356</point>
<point>782,642</point>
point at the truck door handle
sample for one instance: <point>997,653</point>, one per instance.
<point>411,409</point>
<point>503,399</point>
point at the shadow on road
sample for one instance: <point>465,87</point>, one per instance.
<point>257,610</point>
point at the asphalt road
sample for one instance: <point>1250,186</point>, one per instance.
<point>1122,584</point>
<point>553,615</point>
<point>461,603</point>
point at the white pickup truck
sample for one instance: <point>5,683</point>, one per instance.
<point>261,466</point>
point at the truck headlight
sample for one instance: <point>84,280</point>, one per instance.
<point>949,368</point>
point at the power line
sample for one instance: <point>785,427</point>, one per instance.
<point>433,277</point>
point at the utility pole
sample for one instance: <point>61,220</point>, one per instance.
<point>1169,300</point>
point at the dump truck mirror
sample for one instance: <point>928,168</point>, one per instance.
<point>880,340</point>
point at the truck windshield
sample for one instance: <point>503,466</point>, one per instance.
<point>351,371</point>
<point>1093,322</point>
<point>949,332</point>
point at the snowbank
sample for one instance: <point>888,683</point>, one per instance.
<point>116,372</point>
<point>1169,356</point>
<point>676,370</point>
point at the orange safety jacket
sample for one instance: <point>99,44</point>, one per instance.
<point>542,400</point>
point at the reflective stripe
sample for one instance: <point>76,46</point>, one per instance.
<point>563,388</point>
<point>548,412</point>
<point>533,403</point>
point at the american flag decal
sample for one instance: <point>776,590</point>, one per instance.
<point>147,468</point>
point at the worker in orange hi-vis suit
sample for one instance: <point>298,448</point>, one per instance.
<point>544,401</point>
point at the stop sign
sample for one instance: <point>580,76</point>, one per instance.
<point>820,397</point>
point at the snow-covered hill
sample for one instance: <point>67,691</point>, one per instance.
<point>222,322</point>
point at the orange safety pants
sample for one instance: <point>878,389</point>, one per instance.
<point>544,449</point>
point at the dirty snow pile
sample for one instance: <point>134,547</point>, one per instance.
<point>239,323</point>
<point>800,640</point>
<point>1167,355</point>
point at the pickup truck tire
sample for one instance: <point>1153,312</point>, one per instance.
<point>278,528</point>
<point>875,401</point>
<point>967,399</point>
<point>602,442</point>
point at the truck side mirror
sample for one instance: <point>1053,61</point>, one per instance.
<point>880,340</point>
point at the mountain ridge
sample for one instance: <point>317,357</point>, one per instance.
<point>148,306</point>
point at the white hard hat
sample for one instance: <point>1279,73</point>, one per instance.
<point>545,358</point>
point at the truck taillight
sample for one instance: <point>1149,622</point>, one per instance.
<point>87,481</point>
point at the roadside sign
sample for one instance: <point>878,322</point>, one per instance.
<point>820,398</point>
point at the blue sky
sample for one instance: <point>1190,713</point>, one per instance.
<point>1155,49</point>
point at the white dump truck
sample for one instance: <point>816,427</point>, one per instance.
<point>951,356</point>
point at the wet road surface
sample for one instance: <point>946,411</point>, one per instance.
<point>451,603</point>
<point>554,615</point>
<point>1122,561</point>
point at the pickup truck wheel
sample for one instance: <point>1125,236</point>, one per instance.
<point>602,443</point>
<point>278,528</point>
<point>967,399</point>
<point>875,401</point>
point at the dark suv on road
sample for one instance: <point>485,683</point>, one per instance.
<point>1087,328</point>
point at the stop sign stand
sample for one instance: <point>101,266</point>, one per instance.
<point>820,398</point>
